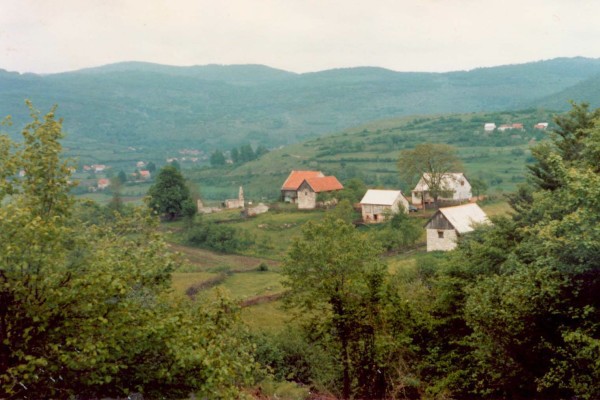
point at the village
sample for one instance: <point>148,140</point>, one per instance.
<point>458,216</point>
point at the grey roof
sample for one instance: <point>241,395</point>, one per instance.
<point>381,197</point>
<point>464,217</point>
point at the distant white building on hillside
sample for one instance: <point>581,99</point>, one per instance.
<point>489,127</point>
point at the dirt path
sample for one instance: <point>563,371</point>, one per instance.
<point>205,259</point>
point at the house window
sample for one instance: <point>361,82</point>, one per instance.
<point>462,183</point>
<point>306,192</point>
<point>440,234</point>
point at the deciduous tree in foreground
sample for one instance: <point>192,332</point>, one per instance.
<point>85,311</point>
<point>334,273</point>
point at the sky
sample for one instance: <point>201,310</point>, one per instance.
<point>44,36</point>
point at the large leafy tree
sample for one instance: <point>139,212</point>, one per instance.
<point>334,273</point>
<point>169,195</point>
<point>84,309</point>
<point>431,162</point>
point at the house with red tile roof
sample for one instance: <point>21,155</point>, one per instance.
<point>103,183</point>
<point>302,187</point>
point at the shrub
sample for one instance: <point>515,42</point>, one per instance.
<point>214,236</point>
<point>263,267</point>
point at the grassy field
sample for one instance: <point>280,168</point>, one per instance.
<point>258,291</point>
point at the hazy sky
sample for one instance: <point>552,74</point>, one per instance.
<point>296,35</point>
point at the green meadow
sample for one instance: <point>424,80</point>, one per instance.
<point>239,276</point>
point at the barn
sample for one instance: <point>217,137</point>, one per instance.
<point>449,223</point>
<point>377,204</point>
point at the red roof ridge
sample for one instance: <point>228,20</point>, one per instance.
<point>296,177</point>
<point>324,184</point>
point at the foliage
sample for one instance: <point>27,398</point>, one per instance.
<point>518,311</point>
<point>478,186</point>
<point>354,190</point>
<point>85,309</point>
<point>399,232</point>
<point>151,167</point>
<point>219,237</point>
<point>344,211</point>
<point>432,163</point>
<point>121,177</point>
<point>217,158</point>
<point>291,355</point>
<point>334,274</point>
<point>169,195</point>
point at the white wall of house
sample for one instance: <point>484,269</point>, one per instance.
<point>462,190</point>
<point>307,198</point>
<point>441,239</point>
<point>417,197</point>
<point>460,187</point>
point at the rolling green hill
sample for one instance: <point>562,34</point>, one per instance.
<point>370,152</point>
<point>587,91</point>
<point>208,107</point>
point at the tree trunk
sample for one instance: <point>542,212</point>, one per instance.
<point>346,361</point>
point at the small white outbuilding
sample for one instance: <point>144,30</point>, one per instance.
<point>449,223</point>
<point>376,204</point>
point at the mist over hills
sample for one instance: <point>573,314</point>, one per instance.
<point>220,106</point>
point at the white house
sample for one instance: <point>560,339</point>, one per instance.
<point>98,168</point>
<point>455,185</point>
<point>489,127</point>
<point>449,223</point>
<point>376,204</point>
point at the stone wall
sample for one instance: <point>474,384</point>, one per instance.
<point>445,243</point>
<point>307,198</point>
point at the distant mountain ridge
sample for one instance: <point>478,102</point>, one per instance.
<point>221,106</point>
<point>236,74</point>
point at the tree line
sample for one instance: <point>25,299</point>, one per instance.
<point>243,154</point>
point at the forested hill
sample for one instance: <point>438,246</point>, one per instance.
<point>217,106</point>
